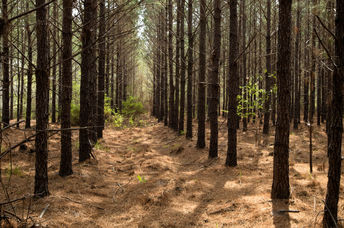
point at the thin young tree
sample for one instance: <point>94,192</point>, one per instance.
<point>268,69</point>
<point>101,70</point>
<point>280,185</point>
<point>66,89</point>
<point>5,67</point>
<point>29,73</point>
<point>233,78</point>
<point>182,68</point>
<point>335,130</point>
<point>170,62</point>
<point>297,66</point>
<point>190,71</point>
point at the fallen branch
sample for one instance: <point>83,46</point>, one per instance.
<point>28,139</point>
<point>18,144</point>
<point>44,210</point>
<point>13,201</point>
<point>288,211</point>
<point>11,125</point>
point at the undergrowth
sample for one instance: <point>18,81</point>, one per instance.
<point>128,116</point>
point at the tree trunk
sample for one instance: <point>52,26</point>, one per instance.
<point>29,74</point>
<point>190,72</point>
<point>101,70</point>
<point>297,66</point>
<point>182,68</point>
<point>42,106</point>
<point>213,94</point>
<point>202,69</point>
<point>233,77</point>
<point>66,93</point>
<point>170,62</point>
<point>87,83</point>
<point>268,69</point>
<point>280,185</point>
<point>54,77</point>
<point>336,124</point>
<point>5,68</point>
<point>244,65</point>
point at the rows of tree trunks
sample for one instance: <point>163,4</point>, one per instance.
<point>293,74</point>
<point>51,47</point>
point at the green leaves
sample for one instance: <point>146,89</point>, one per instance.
<point>141,179</point>
<point>249,107</point>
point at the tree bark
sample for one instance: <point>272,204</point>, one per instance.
<point>190,72</point>
<point>202,81</point>
<point>101,70</point>
<point>42,106</point>
<point>29,75</point>
<point>5,68</point>
<point>268,69</point>
<point>66,96</point>
<point>335,130</point>
<point>87,83</point>
<point>280,185</point>
<point>233,78</point>
<point>214,81</point>
<point>182,68</point>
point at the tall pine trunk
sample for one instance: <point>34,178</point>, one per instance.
<point>42,105</point>
<point>335,130</point>
<point>280,185</point>
<point>66,90</point>
<point>201,77</point>
<point>182,68</point>
<point>233,78</point>
<point>5,68</point>
<point>214,86</point>
<point>268,69</point>
<point>101,70</point>
<point>87,83</point>
<point>190,72</point>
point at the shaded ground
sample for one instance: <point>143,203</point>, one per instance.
<point>150,177</point>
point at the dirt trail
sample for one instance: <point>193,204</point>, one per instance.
<point>150,177</point>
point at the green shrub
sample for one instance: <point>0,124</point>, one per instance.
<point>75,114</point>
<point>117,120</point>
<point>107,108</point>
<point>132,107</point>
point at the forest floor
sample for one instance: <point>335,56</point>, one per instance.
<point>151,177</point>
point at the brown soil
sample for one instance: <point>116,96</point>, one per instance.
<point>178,186</point>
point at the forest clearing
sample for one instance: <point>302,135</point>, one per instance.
<point>171,113</point>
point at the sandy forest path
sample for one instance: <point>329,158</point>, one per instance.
<point>151,177</point>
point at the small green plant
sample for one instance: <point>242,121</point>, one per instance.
<point>249,107</point>
<point>131,121</point>
<point>182,132</point>
<point>108,111</point>
<point>141,179</point>
<point>98,146</point>
<point>117,120</point>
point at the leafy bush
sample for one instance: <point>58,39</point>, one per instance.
<point>132,107</point>
<point>117,120</point>
<point>108,111</point>
<point>74,114</point>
